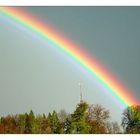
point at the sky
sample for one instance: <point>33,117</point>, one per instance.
<point>34,75</point>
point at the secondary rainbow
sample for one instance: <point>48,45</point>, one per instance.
<point>80,56</point>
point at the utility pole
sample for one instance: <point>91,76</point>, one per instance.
<point>81,96</point>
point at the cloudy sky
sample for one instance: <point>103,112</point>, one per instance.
<point>35,76</point>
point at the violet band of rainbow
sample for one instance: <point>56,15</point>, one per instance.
<point>90,64</point>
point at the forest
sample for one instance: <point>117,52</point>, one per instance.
<point>86,119</point>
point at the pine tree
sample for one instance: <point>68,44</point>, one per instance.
<point>28,125</point>
<point>54,123</point>
<point>21,123</point>
<point>79,124</point>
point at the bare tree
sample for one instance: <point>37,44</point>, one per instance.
<point>97,117</point>
<point>98,113</point>
<point>63,115</point>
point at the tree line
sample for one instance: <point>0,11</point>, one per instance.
<point>86,119</point>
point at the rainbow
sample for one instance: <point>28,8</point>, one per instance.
<point>80,56</point>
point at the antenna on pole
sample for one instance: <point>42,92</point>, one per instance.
<point>81,96</point>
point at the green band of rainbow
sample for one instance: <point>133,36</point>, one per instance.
<point>89,63</point>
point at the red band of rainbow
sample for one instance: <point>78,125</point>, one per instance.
<point>89,63</point>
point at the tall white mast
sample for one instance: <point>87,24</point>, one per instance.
<point>81,96</point>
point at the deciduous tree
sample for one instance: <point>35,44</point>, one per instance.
<point>97,117</point>
<point>131,119</point>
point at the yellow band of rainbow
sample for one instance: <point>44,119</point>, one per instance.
<point>79,55</point>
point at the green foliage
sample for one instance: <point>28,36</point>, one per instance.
<point>67,125</point>
<point>21,123</point>
<point>28,126</point>
<point>41,125</point>
<point>8,124</point>
<point>131,120</point>
<point>78,123</point>
<point>84,120</point>
<point>54,122</point>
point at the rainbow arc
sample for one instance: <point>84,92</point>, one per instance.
<point>80,56</point>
